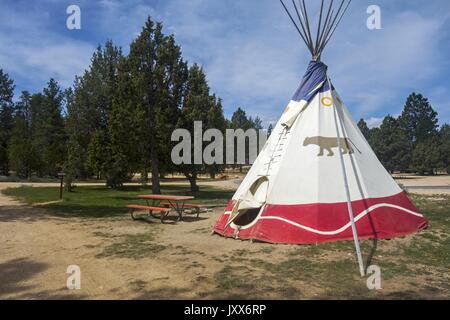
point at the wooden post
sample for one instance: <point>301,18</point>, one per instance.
<point>61,177</point>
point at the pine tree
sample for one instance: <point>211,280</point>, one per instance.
<point>122,149</point>
<point>98,154</point>
<point>22,153</point>
<point>444,136</point>
<point>49,129</point>
<point>362,125</point>
<point>239,120</point>
<point>196,107</point>
<point>418,119</point>
<point>6,119</point>
<point>172,74</point>
<point>36,116</point>
<point>90,108</point>
<point>216,120</point>
<point>391,145</point>
<point>427,156</point>
<point>158,75</point>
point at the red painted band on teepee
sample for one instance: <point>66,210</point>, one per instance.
<point>385,217</point>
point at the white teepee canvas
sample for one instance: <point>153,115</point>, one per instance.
<point>317,179</point>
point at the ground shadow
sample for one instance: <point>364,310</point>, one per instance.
<point>22,213</point>
<point>15,273</point>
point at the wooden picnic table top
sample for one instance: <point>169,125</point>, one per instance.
<point>165,197</point>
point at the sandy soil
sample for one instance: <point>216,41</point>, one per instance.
<point>123,259</point>
<point>37,248</point>
<point>425,184</point>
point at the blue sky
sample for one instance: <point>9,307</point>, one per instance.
<point>251,53</point>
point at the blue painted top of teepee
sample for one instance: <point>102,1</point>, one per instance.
<point>313,82</point>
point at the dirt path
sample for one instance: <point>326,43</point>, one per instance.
<point>115,256</point>
<point>124,259</point>
<point>426,185</point>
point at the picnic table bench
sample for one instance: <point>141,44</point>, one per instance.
<point>164,204</point>
<point>164,211</point>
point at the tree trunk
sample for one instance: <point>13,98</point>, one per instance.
<point>193,182</point>
<point>156,188</point>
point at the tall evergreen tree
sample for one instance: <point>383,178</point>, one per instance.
<point>158,75</point>
<point>239,120</point>
<point>427,156</point>
<point>49,129</point>
<point>196,107</point>
<point>22,152</point>
<point>444,135</point>
<point>216,120</point>
<point>36,114</point>
<point>418,119</point>
<point>6,119</point>
<point>123,149</point>
<point>90,108</point>
<point>391,145</point>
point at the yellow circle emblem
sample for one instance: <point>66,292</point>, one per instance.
<point>327,101</point>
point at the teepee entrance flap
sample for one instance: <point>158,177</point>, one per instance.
<point>251,200</point>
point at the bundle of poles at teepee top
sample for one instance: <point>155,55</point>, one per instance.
<point>328,21</point>
<point>326,25</point>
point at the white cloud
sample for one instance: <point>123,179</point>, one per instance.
<point>250,51</point>
<point>374,122</point>
<point>33,51</point>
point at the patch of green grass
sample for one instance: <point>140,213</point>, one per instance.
<point>429,253</point>
<point>437,212</point>
<point>99,202</point>
<point>133,246</point>
<point>228,278</point>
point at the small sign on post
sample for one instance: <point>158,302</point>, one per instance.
<point>61,177</point>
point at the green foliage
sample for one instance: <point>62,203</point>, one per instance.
<point>196,107</point>
<point>239,120</point>
<point>158,76</point>
<point>216,120</point>
<point>48,129</point>
<point>391,145</point>
<point>122,131</point>
<point>427,156</point>
<point>362,125</point>
<point>100,202</point>
<point>411,142</point>
<point>89,108</point>
<point>6,119</point>
<point>444,137</point>
<point>418,119</point>
<point>120,115</point>
<point>22,152</point>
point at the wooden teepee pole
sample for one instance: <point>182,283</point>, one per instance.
<point>347,190</point>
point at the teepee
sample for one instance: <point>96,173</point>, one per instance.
<point>317,179</point>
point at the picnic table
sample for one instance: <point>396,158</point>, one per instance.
<point>170,202</point>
